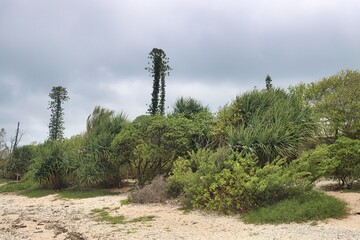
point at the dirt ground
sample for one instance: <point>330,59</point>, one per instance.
<point>53,218</point>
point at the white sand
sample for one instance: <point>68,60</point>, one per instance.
<point>53,218</point>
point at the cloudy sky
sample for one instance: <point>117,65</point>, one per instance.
<point>98,50</point>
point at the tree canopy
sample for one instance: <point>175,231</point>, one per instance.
<point>335,100</point>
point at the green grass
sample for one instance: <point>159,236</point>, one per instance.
<point>3,180</point>
<point>355,188</point>
<point>104,216</point>
<point>310,206</point>
<point>126,201</point>
<point>18,186</point>
<point>37,192</point>
<point>33,190</point>
<point>67,193</point>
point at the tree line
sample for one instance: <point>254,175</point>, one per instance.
<point>264,146</point>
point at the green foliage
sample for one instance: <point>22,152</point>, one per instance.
<point>150,144</point>
<point>316,162</point>
<point>158,70</point>
<point>188,107</point>
<point>98,115</point>
<point>340,161</point>
<point>345,154</point>
<point>21,158</point>
<point>58,96</point>
<point>95,164</point>
<point>224,181</point>
<point>269,124</point>
<point>125,201</point>
<point>51,165</point>
<point>309,206</point>
<point>335,101</point>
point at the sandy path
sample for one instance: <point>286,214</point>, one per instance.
<point>53,218</point>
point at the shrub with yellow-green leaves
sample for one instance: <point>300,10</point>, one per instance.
<point>226,182</point>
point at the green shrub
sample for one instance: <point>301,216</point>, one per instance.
<point>226,182</point>
<point>95,165</point>
<point>345,154</point>
<point>316,162</point>
<point>51,165</point>
<point>150,145</point>
<point>270,124</point>
<point>19,162</point>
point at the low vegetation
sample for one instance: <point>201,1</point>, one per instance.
<point>102,214</point>
<point>34,190</point>
<point>261,152</point>
<point>309,206</point>
<point>18,186</point>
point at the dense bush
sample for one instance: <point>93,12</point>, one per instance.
<point>150,144</point>
<point>270,124</point>
<point>335,101</point>
<point>94,159</point>
<point>19,162</point>
<point>340,161</point>
<point>51,165</point>
<point>225,181</point>
<point>345,155</point>
<point>316,162</point>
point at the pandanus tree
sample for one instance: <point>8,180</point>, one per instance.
<point>270,124</point>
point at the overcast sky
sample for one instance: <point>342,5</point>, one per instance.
<point>98,50</point>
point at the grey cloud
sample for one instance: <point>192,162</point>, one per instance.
<point>98,50</point>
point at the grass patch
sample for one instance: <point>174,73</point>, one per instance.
<point>18,186</point>
<point>33,190</point>
<point>3,180</point>
<point>126,201</point>
<point>355,188</point>
<point>37,192</point>
<point>104,216</point>
<point>310,206</point>
<point>66,193</point>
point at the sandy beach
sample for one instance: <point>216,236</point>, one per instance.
<point>52,217</point>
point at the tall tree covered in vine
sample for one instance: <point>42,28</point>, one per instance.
<point>158,68</point>
<point>58,96</point>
